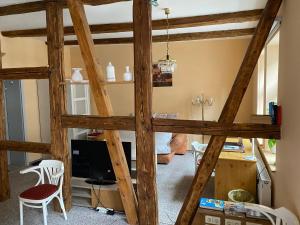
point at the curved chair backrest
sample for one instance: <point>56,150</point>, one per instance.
<point>280,216</point>
<point>54,171</point>
<point>286,216</point>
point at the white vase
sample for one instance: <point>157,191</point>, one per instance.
<point>127,75</point>
<point>76,75</point>
<point>110,73</point>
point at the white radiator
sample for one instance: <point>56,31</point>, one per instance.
<point>264,186</point>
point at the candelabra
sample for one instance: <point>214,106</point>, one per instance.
<point>202,101</point>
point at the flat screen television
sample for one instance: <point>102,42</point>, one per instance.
<point>91,160</point>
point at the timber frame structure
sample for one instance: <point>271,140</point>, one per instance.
<point>140,207</point>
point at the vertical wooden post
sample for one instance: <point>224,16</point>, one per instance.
<point>59,142</point>
<point>104,107</point>
<point>229,112</point>
<point>146,160</point>
<point>4,179</point>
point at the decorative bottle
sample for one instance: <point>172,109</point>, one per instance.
<point>110,73</point>
<point>127,75</point>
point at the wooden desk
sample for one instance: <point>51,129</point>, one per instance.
<point>234,172</point>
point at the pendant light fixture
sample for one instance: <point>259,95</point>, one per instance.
<point>167,65</point>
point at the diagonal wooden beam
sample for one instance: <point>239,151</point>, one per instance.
<point>30,7</point>
<point>183,22</point>
<point>176,37</point>
<point>229,112</point>
<point>103,104</point>
<point>4,178</point>
<point>146,157</point>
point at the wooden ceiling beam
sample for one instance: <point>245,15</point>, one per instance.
<point>245,130</point>
<point>184,22</point>
<point>176,37</point>
<point>96,122</point>
<point>229,112</point>
<point>21,8</point>
<point>20,146</point>
<point>24,73</point>
<point>30,7</point>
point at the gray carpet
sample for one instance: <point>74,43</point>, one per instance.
<point>173,183</point>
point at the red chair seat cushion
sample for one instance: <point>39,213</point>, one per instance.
<point>39,192</point>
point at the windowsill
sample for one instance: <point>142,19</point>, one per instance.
<point>271,159</point>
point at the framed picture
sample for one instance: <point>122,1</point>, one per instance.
<point>161,79</point>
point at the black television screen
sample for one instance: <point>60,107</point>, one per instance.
<point>90,159</point>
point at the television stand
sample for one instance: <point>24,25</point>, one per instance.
<point>100,182</point>
<point>87,195</point>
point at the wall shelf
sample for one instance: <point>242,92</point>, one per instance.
<point>120,82</point>
<point>85,195</point>
<point>69,81</point>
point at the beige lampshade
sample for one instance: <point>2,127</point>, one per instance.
<point>2,54</point>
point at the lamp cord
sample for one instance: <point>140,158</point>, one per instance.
<point>168,35</point>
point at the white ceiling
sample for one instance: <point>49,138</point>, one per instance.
<point>122,12</point>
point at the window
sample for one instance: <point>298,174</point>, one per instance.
<point>267,79</point>
<point>267,87</point>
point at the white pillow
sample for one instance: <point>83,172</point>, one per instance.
<point>162,142</point>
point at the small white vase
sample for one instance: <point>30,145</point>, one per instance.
<point>127,75</point>
<point>76,75</point>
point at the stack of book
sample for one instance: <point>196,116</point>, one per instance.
<point>237,146</point>
<point>275,112</point>
<point>231,209</point>
<point>214,204</point>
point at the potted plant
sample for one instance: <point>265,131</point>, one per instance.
<point>272,145</point>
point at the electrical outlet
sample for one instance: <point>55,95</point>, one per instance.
<point>212,220</point>
<point>232,222</point>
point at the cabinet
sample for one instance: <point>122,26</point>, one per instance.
<point>87,195</point>
<point>78,104</point>
<point>234,171</point>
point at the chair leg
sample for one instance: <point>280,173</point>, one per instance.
<point>62,206</point>
<point>45,213</point>
<point>21,213</point>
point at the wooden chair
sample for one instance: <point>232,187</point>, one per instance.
<point>44,192</point>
